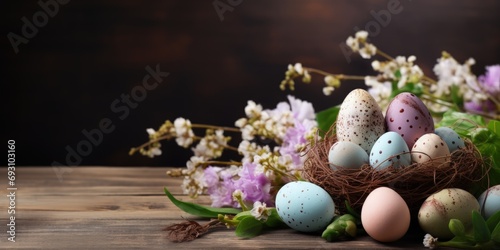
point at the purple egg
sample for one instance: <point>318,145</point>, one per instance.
<point>408,116</point>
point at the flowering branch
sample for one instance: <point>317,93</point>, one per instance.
<point>457,88</point>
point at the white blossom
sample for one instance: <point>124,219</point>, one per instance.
<point>368,51</point>
<point>328,90</point>
<point>184,133</point>
<point>150,131</point>
<point>260,211</point>
<point>252,110</point>
<point>298,68</point>
<point>430,241</point>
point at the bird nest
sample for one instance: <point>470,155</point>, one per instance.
<point>414,182</point>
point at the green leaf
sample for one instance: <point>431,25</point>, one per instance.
<point>458,242</point>
<point>249,227</point>
<point>327,118</point>
<point>495,235</point>
<point>242,215</point>
<point>482,233</point>
<point>397,74</point>
<point>462,123</point>
<point>493,221</point>
<point>351,210</point>
<point>456,227</point>
<point>456,97</point>
<point>274,219</point>
<point>488,143</point>
<point>494,126</point>
<point>199,210</point>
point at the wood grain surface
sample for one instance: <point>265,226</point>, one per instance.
<point>125,208</point>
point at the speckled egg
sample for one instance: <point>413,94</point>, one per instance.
<point>451,138</point>
<point>431,146</point>
<point>305,206</point>
<point>449,203</point>
<point>390,149</point>
<point>408,116</point>
<point>360,120</point>
<point>489,201</point>
<point>347,155</point>
<point>385,215</point>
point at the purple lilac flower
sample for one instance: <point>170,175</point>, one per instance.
<point>302,110</point>
<point>220,191</point>
<point>490,82</point>
<point>254,186</point>
<point>293,137</point>
<point>303,113</point>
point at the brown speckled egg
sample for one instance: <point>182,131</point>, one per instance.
<point>408,116</point>
<point>431,146</point>
<point>360,120</point>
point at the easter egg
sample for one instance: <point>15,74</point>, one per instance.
<point>451,138</point>
<point>390,150</point>
<point>385,215</point>
<point>360,120</point>
<point>304,206</point>
<point>347,155</point>
<point>431,146</point>
<point>408,116</point>
<point>489,201</point>
<point>450,203</point>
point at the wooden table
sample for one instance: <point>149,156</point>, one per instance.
<point>117,207</point>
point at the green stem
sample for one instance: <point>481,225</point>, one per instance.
<point>454,244</point>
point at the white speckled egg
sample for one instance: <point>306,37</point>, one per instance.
<point>385,215</point>
<point>408,116</point>
<point>489,201</point>
<point>390,149</point>
<point>360,120</point>
<point>431,146</point>
<point>451,138</point>
<point>347,155</point>
<point>305,206</point>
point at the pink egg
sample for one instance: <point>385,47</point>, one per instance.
<point>408,116</point>
<point>385,215</point>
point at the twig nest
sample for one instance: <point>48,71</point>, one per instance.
<point>414,182</point>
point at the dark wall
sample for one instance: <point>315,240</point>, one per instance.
<point>90,53</point>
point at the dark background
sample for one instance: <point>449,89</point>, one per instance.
<point>91,52</point>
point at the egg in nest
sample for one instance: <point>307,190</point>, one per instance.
<point>360,120</point>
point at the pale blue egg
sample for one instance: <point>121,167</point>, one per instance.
<point>390,149</point>
<point>489,201</point>
<point>347,155</point>
<point>305,206</point>
<point>451,138</point>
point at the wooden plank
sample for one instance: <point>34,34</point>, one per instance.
<point>109,208</point>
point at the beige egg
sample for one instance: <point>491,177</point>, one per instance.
<point>385,215</point>
<point>360,120</point>
<point>431,146</point>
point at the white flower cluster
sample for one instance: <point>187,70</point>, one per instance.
<point>293,72</point>
<point>271,124</point>
<point>401,70</point>
<point>359,43</point>
<point>183,132</point>
<point>212,145</point>
<point>429,241</point>
<point>291,126</point>
<point>452,74</point>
